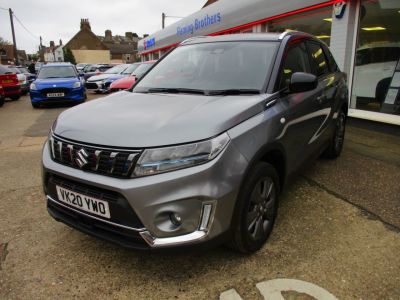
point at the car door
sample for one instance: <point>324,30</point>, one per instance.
<point>301,120</point>
<point>329,76</point>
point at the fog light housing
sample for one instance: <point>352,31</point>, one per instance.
<point>205,218</point>
<point>175,219</point>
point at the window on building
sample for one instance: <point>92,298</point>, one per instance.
<point>316,22</point>
<point>3,52</point>
<point>376,75</point>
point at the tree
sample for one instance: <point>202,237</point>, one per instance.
<point>69,56</point>
<point>4,42</point>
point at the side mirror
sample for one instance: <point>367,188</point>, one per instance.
<point>302,82</point>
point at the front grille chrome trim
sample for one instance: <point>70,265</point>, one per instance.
<point>100,160</point>
<point>93,217</point>
<point>95,146</point>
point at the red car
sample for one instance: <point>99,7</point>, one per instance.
<point>9,83</point>
<point>127,82</point>
<point>2,97</point>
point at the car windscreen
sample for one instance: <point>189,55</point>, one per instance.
<point>5,70</point>
<point>142,69</point>
<point>116,69</point>
<point>15,70</point>
<point>56,72</point>
<point>23,70</point>
<point>214,66</point>
<point>129,70</point>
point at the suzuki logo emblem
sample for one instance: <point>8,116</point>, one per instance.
<point>82,158</point>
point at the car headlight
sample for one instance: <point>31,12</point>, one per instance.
<point>32,86</point>
<point>77,85</point>
<point>159,160</point>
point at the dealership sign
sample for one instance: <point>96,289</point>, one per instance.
<point>149,43</point>
<point>199,24</point>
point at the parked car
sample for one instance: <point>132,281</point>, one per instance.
<point>57,83</point>
<point>38,65</point>
<point>29,76</point>
<point>127,72</point>
<point>96,69</point>
<point>200,149</point>
<point>374,68</point>
<point>2,95</point>
<point>22,79</point>
<point>10,84</point>
<point>96,83</point>
<point>127,81</point>
<point>80,66</point>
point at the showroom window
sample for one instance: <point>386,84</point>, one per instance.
<point>317,22</point>
<point>376,75</point>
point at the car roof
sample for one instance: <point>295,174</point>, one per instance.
<point>237,37</point>
<point>57,65</point>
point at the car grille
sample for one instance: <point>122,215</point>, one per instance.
<point>110,162</point>
<point>91,85</point>
<point>11,88</point>
<point>44,92</point>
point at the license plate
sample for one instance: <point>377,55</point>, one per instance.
<point>7,81</point>
<point>83,202</point>
<point>55,95</point>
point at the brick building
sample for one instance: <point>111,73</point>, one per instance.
<point>87,47</point>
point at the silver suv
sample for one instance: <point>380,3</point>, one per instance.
<point>200,148</point>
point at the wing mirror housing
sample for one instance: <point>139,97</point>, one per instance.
<point>302,82</point>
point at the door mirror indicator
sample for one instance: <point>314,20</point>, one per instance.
<point>302,82</point>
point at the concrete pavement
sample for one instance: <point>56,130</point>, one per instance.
<point>338,228</point>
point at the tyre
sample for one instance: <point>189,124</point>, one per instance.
<point>15,97</point>
<point>336,144</point>
<point>256,209</point>
<point>35,105</point>
<point>1,101</point>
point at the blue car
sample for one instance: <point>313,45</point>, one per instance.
<point>57,83</point>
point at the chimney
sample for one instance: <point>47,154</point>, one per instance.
<point>60,42</point>
<point>85,24</point>
<point>129,35</point>
<point>52,44</point>
<point>108,35</point>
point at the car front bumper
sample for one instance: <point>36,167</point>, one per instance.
<point>203,196</point>
<point>70,94</point>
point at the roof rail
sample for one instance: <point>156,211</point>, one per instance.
<point>285,33</point>
<point>192,38</point>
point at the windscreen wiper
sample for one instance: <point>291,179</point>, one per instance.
<point>233,92</point>
<point>175,91</point>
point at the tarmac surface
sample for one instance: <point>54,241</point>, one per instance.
<point>338,228</point>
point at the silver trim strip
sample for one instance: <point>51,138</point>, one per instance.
<point>171,241</point>
<point>96,147</point>
<point>206,218</point>
<point>98,219</point>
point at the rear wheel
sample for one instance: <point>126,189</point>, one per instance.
<point>1,101</point>
<point>256,209</point>
<point>35,105</point>
<point>336,144</point>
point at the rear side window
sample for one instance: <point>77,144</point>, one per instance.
<point>295,60</point>
<point>319,62</point>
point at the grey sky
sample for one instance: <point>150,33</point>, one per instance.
<point>56,19</point>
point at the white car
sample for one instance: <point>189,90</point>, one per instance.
<point>375,64</point>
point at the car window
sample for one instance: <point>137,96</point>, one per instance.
<point>4,70</point>
<point>331,60</point>
<point>295,60</point>
<point>56,72</point>
<point>213,67</point>
<point>319,63</point>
